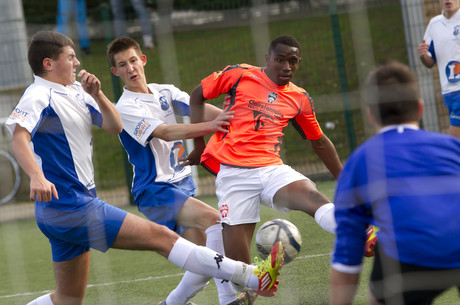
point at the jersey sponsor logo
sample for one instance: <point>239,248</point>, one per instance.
<point>272,96</point>
<point>453,71</point>
<point>223,210</point>
<point>177,153</point>
<point>19,114</point>
<point>140,128</point>
<point>164,103</point>
<point>264,108</point>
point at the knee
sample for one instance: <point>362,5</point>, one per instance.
<point>212,218</point>
<point>162,239</point>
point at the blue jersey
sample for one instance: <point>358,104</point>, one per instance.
<point>406,182</point>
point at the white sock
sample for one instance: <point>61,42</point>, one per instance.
<point>188,287</point>
<point>43,300</point>
<point>192,283</point>
<point>202,260</point>
<point>225,290</point>
<point>324,216</point>
<point>245,277</point>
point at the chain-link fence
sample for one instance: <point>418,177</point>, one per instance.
<point>341,41</point>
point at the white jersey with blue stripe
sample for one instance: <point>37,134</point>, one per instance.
<point>443,37</point>
<point>154,159</point>
<point>59,119</point>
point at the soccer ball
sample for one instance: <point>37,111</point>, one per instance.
<point>278,230</point>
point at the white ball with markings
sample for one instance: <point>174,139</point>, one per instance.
<point>278,230</point>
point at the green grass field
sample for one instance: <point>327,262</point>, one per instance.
<point>130,277</point>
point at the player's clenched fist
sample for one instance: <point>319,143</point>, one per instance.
<point>423,48</point>
<point>89,82</point>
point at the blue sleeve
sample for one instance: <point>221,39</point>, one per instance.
<point>96,116</point>
<point>181,108</point>
<point>431,50</point>
<point>352,212</point>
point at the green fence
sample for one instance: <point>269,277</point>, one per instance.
<point>193,42</point>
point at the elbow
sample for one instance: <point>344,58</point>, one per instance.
<point>115,130</point>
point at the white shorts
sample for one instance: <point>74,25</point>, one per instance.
<point>241,191</point>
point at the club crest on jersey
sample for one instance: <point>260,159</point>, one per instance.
<point>453,71</point>
<point>456,31</point>
<point>272,96</point>
<point>79,99</point>
<point>164,103</point>
<point>224,210</point>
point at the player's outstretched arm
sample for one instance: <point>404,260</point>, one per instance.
<point>324,148</point>
<point>197,101</point>
<point>40,188</point>
<point>171,132</point>
<point>111,120</point>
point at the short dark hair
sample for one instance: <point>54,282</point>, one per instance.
<point>46,44</point>
<point>119,45</point>
<point>392,93</point>
<point>285,39</point>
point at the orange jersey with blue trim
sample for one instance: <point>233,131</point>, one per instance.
<point>262,111</point>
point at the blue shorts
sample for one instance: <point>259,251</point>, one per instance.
<point>71,232</point>
<point>452,101</point>
<point>161,201</point>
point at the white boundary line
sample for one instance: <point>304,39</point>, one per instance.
<point>150,278</point>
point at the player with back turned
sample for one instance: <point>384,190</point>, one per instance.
<point>405,181</point>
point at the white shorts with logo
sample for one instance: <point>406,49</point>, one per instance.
<point>241,191</point>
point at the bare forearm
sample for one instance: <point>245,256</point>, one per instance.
<point>197,107</point>
<point>22,151</point>
<point>324,148</point>
<point>342,287</point>
<point>211,112</point>
<point>182,131</point>
<point>111,120</point>
<point>427,61</point>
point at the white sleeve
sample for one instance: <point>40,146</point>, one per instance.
<point>347,269</point>
<point>28,112</point>
<point>428,37</point>
<point>136,121</point>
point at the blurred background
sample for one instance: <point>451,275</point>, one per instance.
<point>189,39</point>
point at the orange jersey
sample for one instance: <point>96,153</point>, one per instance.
<point>262,111</point>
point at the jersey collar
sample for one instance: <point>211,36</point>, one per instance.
<point>399,127</point>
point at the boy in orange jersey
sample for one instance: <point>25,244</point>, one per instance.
<point>246,160</point>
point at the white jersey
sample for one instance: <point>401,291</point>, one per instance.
<point>443,37</point>
<point>59,119</point>
<point>154,160</point>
